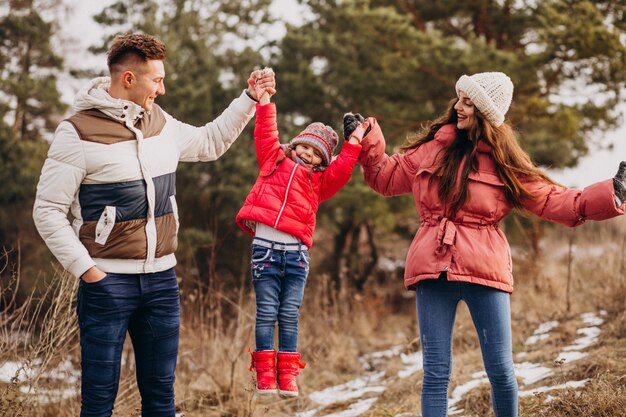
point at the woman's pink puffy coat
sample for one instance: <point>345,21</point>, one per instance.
<point>286,195</point>
<point>470,247</point>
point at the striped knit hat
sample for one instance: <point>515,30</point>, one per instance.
<point>321,137</point>
<point>491,93</point>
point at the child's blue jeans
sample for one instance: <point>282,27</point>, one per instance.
<point>490,310</point>
<point>147,306</point>
<point>279,273</point>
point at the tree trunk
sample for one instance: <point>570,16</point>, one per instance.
<point>342,242</point>
<point>364,265</point>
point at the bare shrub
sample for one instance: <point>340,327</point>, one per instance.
<point>36,336</point>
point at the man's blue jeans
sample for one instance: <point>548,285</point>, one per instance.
<point>279,277</point>
<point>148,307</point>
<point>491,313</point>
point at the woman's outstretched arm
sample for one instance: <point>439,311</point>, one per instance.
<point>573,207</point>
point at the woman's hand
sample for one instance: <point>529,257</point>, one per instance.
<point>350,122</point>
<point>357,134</point>
<point>619,184</point>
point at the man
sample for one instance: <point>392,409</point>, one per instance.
<point>113,164</point>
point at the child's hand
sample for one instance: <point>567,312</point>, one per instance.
<point>261,83</point>
<point>350,122</point>
<point>357,134</point>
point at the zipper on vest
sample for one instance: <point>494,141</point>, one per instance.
<point>286,195</point>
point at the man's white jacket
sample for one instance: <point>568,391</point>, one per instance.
<point>113,165</point>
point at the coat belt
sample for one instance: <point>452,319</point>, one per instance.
<point>445,235</point>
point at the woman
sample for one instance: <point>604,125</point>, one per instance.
<point>466,174</point>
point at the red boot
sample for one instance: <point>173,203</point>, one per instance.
<point>289,366</point>
<point>265,364</point>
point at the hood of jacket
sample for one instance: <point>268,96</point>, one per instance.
<point>95,95</point>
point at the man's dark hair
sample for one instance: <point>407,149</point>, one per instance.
<point>134,47</point>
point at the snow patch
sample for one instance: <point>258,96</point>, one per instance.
<point>15,370</point>
<point>415,362</point>
<point>542,332</point>
<point>355,409</point>
<point>536,338</point>
<point>591,319</point>
<point>461,390</point>
<point>48,396</point>
<point>64,372</point>
<point>21,372</point>
<point>308,413</point>
<point>369,360</point>
<point>570,356</point>
<point>569,384</point>
<point>590,336</point>
<point>531,372</point>
<point>348,391</point>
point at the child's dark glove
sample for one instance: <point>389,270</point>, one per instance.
<point>350,122</point>
<point>619,184</point>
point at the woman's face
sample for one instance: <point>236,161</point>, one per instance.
<point>466,111</point>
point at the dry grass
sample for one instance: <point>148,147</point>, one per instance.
<point>601,398</point>
<point>217,329</point>
<point>38,334</point>
<point>597,281</point>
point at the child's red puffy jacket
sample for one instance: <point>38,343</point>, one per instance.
<point>286,195</point>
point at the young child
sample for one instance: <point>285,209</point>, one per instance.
<point>280,213</point>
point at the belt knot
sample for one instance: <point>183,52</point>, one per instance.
<point>445,235</point>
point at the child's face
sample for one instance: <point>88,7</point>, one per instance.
<point>308,154</point>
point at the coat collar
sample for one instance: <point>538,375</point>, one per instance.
<point>483,147</point>
<point>447,134</point>
<point>95,95</point>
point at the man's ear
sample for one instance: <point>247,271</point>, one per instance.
<point>128,78</point>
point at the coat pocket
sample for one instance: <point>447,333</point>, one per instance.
<point>260,254</point>
<point>487,200</point>
<point>105,225</point>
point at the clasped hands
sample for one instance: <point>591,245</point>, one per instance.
<point>355,127</point>
<point>619,185</point>
<point>260,83</point>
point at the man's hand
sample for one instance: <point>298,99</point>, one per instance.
<point>261,82</point>
<point>619,185</point>
<point>93,275</point>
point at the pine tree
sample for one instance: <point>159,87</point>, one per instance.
<point>28,72</point>
<point>30,106</point>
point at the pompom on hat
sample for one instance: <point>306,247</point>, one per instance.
<point>321,137</point>
<point>491,93</point>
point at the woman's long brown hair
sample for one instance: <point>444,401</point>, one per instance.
<point>510,159</point>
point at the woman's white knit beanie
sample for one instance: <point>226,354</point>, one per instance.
<point>491,93</point>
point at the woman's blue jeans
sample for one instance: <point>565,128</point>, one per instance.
<point>491,312</point>
<point>279,277</point>
<point>147,306</point>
